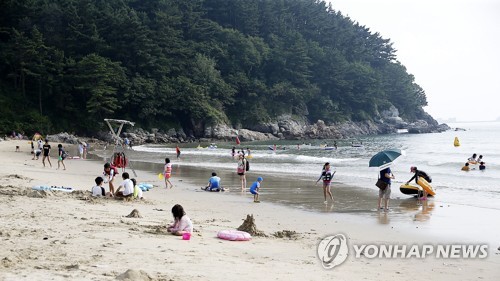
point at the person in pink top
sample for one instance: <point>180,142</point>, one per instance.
<point>182,223</point>
<point>167,172</point>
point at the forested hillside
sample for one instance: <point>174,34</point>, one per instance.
<point>68,64</point>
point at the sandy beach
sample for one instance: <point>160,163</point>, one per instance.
<point>69,236</point>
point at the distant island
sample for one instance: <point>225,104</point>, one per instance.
<point>191,68</point>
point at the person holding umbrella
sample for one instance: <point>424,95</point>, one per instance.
<point>383,160</point>
<point>385,175</point>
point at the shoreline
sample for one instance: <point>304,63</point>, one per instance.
<point>92,236</point>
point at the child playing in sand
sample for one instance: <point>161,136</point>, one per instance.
<point>167,173</point>
<point>254,189</point>
<point>137,190</point>
<point>109,177</point>
<point>127,185</point>
<point>182,223</point>
<point>98,190</point>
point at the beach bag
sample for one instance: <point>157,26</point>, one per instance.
<point>247,165</point>
<point>381,184</point>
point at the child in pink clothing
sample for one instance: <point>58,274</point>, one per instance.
<point>182,224</point>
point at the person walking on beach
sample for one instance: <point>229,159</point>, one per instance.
<point>419,173</point>
<point>182,223</point>
<point>178,152</point>
<point>254,189</point>
<point>385,175</point>
<point>46,153</point>
<point>109,176</point>
<point>61,156</point>
<point>326,176</point>
<point>241,170</point>
<point>167,172</point>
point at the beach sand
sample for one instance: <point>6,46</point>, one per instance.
<point>61,236</point>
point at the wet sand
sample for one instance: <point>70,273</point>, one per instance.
<point>60,236</point>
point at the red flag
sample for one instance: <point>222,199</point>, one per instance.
<point>237,140</point>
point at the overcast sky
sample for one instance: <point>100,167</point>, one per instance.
<point>452,47</point>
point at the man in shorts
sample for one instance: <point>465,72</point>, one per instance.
<point>386,175</point>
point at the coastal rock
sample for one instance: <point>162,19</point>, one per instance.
<point>62,138</point>
<point>391,112</point>
<point>247,135</point>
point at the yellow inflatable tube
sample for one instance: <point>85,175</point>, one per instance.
<point>426,186</point>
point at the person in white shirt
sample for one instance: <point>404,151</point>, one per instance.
<point>98,190</point>
<point>127,185</point>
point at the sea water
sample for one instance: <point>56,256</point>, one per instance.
<point>295,165</point>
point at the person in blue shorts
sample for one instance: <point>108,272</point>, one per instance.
<point>213,183</point>
<point>254,189</point>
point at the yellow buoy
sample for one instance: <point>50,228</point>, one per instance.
<point>160,176</point>
<point>456,143</point>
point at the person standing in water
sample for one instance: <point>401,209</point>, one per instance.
<point>419,173</point>
<point>326,176</point>
<point>241,170</point>
<point>178,152</point>
<point>386,175</point>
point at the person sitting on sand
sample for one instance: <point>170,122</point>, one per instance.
<point>127,185</point>
<point>182,223</point>
<point>137,190</point>
<point>98,189</point>
<point>466,167</point>
<point>254,189</point>
<point>482,166</point>
<point>213,183</point>
<point>419,173</point>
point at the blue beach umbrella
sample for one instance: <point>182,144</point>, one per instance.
<point>384,158</point>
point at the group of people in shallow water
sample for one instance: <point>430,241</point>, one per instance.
<point>474,160</point>
<point>385,175</point>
